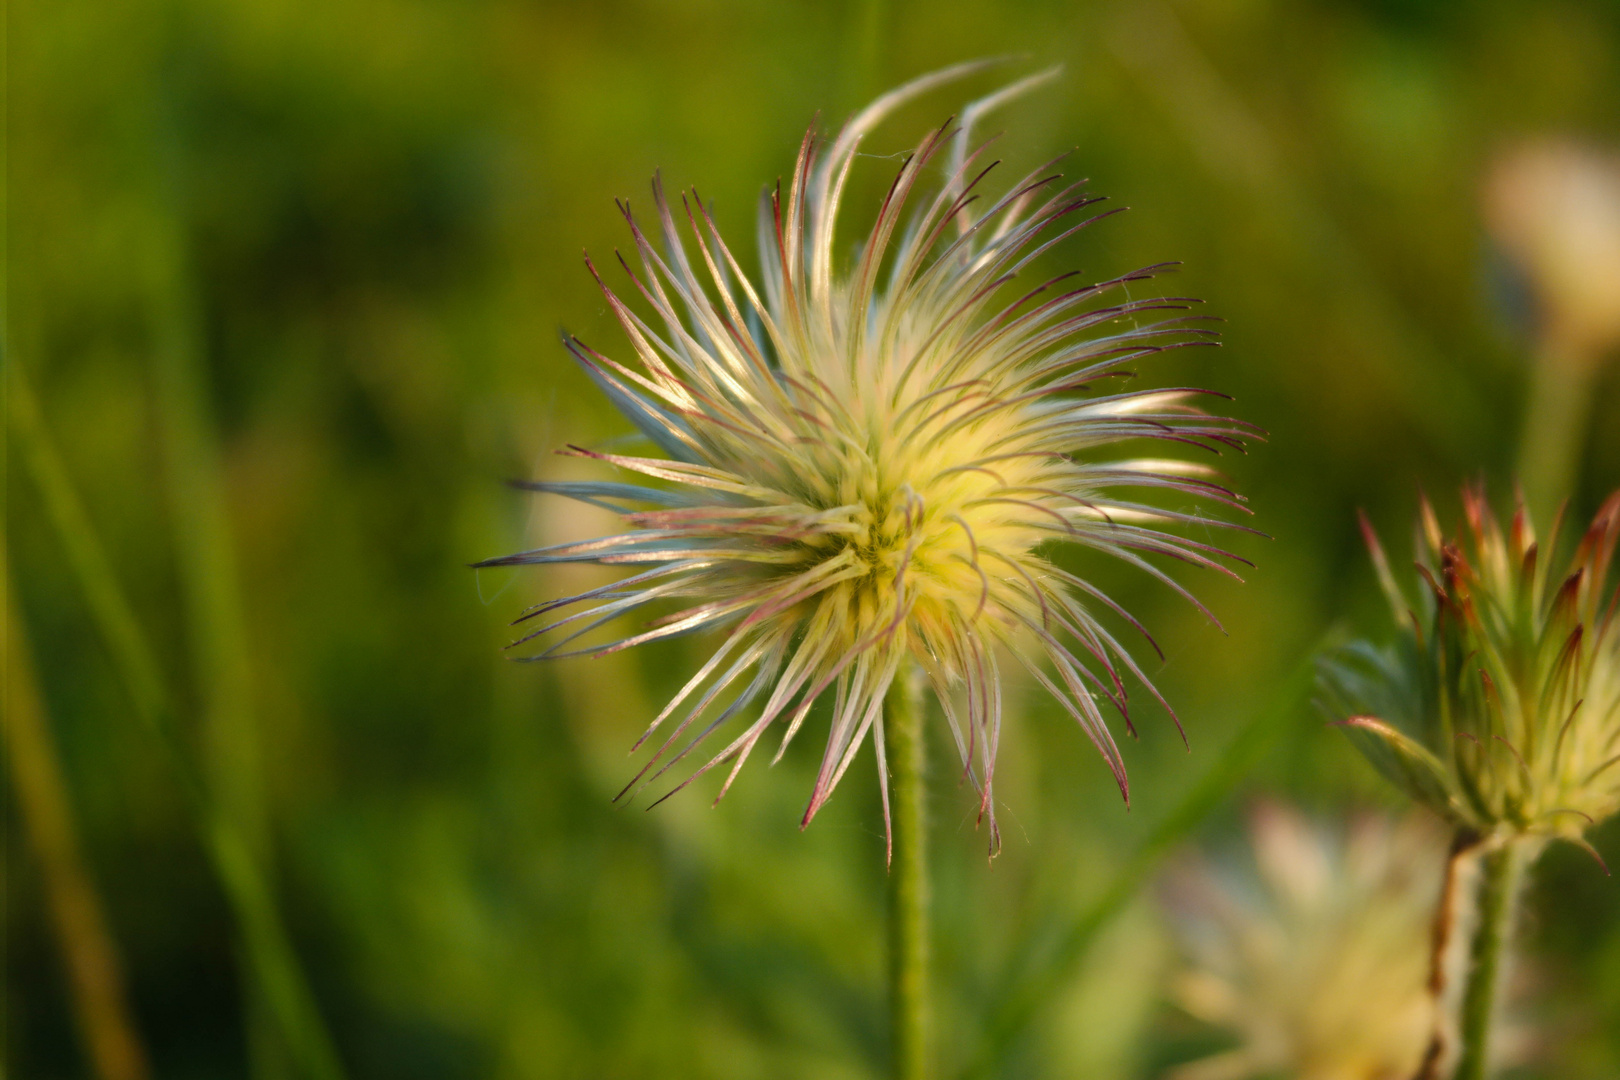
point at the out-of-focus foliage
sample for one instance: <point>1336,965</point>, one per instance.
<point>364,217</point>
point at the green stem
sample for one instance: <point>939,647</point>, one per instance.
<point>1555,427</point>
<point>1500,874</point>
<point>908,881</point>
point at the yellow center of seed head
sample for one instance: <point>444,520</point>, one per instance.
<point>930,530</point>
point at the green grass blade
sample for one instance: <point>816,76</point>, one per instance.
<point>270,954</point>
<point>206,561</point>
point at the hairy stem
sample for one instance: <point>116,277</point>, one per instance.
<point>1501,871</point>
<point>908,882</point>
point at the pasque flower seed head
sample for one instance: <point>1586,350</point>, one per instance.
<point>862,465</point>
<point>1318,960</point>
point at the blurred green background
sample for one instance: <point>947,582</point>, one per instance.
<point>286,280</point>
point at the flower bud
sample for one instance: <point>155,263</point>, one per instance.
<point>1499,704</point>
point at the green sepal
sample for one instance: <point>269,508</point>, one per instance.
<point>1410,765</point>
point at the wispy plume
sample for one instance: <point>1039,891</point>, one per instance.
<point>863,465</point>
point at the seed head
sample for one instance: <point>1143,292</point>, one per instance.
<point>1499,704</point>
<point>1554,210</point>
<point>1320,963</point>
<point>867,463</point>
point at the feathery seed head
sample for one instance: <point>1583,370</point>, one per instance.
<point>1320,963</point>
<point>1499,705</point>
<point>1554,209</point>
<point>863,464</point>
